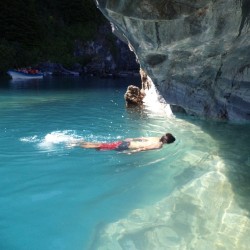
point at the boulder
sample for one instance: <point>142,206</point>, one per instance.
<point>133,96</point>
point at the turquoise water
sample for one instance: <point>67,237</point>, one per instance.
<point>193,194</point>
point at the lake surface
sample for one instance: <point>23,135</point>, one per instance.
<point>192,194</point>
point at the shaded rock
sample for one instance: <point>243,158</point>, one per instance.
<point>57,69</point>
<point>105,55</point>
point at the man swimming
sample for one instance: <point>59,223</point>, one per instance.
<point>131,145</point>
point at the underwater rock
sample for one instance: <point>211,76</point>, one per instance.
<point>197,53</point>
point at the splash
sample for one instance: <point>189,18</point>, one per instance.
<point>155,103</point>
<point>29,139</point>
<point>59,137</point>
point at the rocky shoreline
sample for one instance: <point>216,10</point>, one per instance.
<point>56,69</point>
<point>104,56</point>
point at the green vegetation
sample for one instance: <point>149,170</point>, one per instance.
<point>35,31</point>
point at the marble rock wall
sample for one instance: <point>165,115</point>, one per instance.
<point>196,52</point>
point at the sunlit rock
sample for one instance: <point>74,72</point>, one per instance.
<point>133,96</point>
<point>196,52</point>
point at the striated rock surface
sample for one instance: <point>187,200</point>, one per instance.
<point>196,52</point>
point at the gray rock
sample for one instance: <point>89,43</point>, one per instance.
<point>196,52</point>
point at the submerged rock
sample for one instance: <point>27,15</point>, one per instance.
<point>196,52</point>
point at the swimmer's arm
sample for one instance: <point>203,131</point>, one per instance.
<point>136,139</point>
<point>151,147</point>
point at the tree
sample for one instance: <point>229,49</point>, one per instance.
<point>19,22</point>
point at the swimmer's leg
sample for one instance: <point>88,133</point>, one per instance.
<point>89,145</point>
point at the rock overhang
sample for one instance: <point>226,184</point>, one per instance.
<point>196,52</point>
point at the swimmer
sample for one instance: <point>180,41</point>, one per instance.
<point>131,145</point>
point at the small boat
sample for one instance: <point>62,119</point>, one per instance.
<point>15,74</point>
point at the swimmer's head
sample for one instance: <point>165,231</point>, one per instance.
<point>167,138</point>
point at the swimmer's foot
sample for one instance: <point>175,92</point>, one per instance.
<point>74,143</point>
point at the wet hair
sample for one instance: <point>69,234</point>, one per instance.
<point>167,138</point>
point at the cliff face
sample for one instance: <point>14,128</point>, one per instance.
<point>196,52</point>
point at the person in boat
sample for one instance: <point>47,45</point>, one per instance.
<point>130,145</point>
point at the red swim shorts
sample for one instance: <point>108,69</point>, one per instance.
<point>110,146</point>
